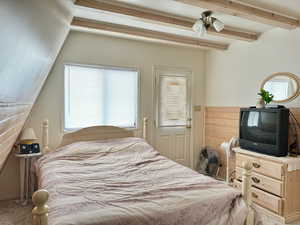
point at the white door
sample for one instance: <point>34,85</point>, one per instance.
<point>172,124</point>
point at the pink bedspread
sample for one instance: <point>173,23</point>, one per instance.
<point>126,182</point>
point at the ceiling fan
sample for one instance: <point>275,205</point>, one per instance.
<point>207,21</point>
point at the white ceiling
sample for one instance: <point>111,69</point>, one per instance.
<point>287,7</point>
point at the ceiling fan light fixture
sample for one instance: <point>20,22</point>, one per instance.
<point>199,27</point>
<point>218,25</point>
<point>207,21</point>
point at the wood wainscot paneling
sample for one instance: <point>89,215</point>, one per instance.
<point>222,123</point>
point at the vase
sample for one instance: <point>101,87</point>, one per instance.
<point>260,103</point>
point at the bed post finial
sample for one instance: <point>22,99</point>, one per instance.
<point>45,147</point>
<point>40,211</point>
<point>145,127</point>
<point>246,191</point>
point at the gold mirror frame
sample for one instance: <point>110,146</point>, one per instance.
<point>289,75</point>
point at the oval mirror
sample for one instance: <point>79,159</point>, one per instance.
<point>284,86</point>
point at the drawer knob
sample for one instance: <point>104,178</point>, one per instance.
<point>255,165</point>
<point>254,195</point>
<point>255,180</point>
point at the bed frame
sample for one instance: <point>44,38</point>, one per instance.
<point>40,197</point>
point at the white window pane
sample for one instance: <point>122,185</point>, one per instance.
<point>83,97</point>
<point>173,101</point>
<point>99,96</point>
<point>121,91</point>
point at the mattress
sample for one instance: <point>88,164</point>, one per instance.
<point>127,182</point>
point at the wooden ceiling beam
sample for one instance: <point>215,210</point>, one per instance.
<point>155,16</point>
<point>246,11</point>
<point>139,32</point>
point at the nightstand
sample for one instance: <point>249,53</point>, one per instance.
<point>26,177</point>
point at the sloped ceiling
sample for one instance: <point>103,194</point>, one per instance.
<point>32,33</point>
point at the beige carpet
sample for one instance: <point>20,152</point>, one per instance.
<point>12,213</point>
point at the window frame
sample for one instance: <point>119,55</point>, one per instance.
<point>121,68</point>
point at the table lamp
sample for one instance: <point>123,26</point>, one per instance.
<point>28,136</point>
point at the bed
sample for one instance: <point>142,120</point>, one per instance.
<point>107,176</point>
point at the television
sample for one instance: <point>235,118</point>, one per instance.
<point>265,130</point>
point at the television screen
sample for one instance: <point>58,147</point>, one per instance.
<point>259,127</point>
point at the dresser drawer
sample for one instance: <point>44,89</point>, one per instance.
<point>266,183</point>
<point>264,199</point>
<point>265,167</point>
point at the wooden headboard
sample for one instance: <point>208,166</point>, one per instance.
<point>91,134</point>
<point>95,133</point>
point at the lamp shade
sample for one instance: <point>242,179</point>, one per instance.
<point>28,135</point>
<point>218,25</point>
<point>199,27</point>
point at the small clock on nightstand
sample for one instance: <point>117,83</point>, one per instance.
<point>27,145</point>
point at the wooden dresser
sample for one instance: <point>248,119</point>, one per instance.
<point>275,181</point>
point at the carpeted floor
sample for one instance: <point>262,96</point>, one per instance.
<point>12,213</point>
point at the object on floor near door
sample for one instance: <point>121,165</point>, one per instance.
<point>209,162</point>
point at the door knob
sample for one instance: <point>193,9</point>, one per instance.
<point>188,123</point>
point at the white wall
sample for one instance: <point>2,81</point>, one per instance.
<point>88,48</point>
<point>233,77</point>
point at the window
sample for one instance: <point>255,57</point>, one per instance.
<point>100,96</point>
